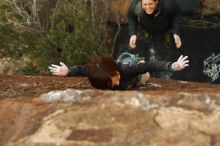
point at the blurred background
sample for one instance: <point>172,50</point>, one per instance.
<point>36,33</point>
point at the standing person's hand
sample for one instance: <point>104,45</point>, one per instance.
<point>59,70</point>
<point>133,40</point>
<point>181,63</point>
<point>177,40</point>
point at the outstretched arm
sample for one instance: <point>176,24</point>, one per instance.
<point>152,66</point>
<point>63,70</point>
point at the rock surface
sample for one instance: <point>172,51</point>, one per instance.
<point>53,111</point>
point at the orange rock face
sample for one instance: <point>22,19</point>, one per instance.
<point>40,110</point>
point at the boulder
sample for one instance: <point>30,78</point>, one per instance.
<point>54,111</point>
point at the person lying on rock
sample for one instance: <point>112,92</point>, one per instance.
<point>105,73</point>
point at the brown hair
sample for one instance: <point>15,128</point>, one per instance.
<point>100,72</point>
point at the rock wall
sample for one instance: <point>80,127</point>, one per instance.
<point>42,111</point>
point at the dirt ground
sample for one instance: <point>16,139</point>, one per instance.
<point>33,86</point>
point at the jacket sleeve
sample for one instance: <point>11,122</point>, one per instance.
<point>149,66</point>
<point>176,23</point>
<point>173,10</point>
<point>78,70</point>
<point>176,18</point>
<point>132,18</point>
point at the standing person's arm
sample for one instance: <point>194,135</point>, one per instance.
<point>173,10</point>
<point>175,29</point>
<point>175,23</point>
<point>132,24</point>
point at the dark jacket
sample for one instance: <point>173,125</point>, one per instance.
<point>128,72</point>
<point>165,19</point>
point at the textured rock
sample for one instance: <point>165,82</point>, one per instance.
<point>156,114</point>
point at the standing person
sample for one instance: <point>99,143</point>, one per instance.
<point>105,73</point>
<point>158,17</point>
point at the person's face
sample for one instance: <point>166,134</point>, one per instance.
<point>149,6</point>
<point>115,79</point>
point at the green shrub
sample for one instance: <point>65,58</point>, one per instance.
<point>30,69</point>
<point>71,31</point>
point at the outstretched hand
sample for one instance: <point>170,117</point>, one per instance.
<point>181,63</point>
<point>59,70</point>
